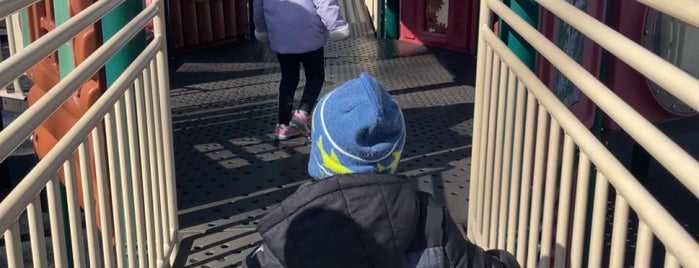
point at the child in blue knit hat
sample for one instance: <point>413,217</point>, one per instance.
<point>356,213</point>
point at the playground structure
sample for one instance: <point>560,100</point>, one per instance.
<point>543,184</point>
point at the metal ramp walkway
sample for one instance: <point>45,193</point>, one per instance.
<point>230,171</point>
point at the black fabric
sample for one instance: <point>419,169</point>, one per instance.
<point>429,224</point>
<point>314,70</point>
<point>343,221</point>
<point>361,220</point>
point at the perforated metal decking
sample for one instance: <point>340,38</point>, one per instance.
<point>230,172</point>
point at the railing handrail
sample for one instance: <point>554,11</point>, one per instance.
<point>680,163</point>
<point>8,7</point>
<point>14,134</point>
<point>646,206</point>
<point>685,10</point>
<point>681,84</point>
<point>37,178</point>
<point>47,44</point>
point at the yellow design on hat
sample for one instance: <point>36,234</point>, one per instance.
<point>331,161</point>
<point>391,166</point>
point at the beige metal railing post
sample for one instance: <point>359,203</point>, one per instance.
<point>142,86</point>
<point>36,233</point>
<point>549,192</point>
<point>90,217</point>
<point>564,202</point>
<point>114,173</point>
<point>98,146</point>
<point>497,159</point>
<point>484,19</point>
<point>579,215</point>
<point>482,132</point>
<point>57,232</point>
<point>515,176</point>
<point>166,126</point>
<point>505,198</point>
<point>537,185</point>
<point>12,244</point>
<point>104,152</point>
<point>512,193</point>
<point>644,243</point>
<point>621,218</point>
<point>74,215</point>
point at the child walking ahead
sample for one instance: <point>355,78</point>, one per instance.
<point>297,30</point>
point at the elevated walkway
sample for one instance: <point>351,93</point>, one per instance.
<point>230,171</point>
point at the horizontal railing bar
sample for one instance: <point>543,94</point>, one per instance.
<point>47,44</point>
<point>7,7</point>
<point>670,77</point>
<point>680,163</point>
<point>14,134</point>
<point>685,10</point>
<point>667,229</point>
<point>31,185</point>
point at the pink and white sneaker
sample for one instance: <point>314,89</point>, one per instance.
<point>284,132</point>
<point>301,121</point>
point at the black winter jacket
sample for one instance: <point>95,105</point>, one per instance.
<point>364,220</point>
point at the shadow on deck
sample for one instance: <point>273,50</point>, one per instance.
<point>230,171</point>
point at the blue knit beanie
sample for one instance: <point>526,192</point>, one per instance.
<point>357,128</point>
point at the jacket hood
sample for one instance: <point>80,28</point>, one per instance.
<point>353,220</point>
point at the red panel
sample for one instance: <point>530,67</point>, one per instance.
<point>217,21</point>
<point>408,19</point>
<point>176,22</point>
<point>583,108</point>
<point>460,34</point>
<point>230,18</point>
<point>624,80</point>
<point>206,34</point>
<point>190,31</point>
<point>241,14</point>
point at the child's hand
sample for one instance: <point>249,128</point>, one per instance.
<point>261,36</point>
<point>341,33</point>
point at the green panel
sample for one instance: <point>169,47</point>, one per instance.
<point>24,25</point>
<point>381,31</point>
<point>111,24</point>
<point>392,19</point>
<point>66,62</point>
<point>529,11</point>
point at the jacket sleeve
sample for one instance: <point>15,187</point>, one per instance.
<point>439,229</point>
<point>462,253</point>
<point>329,12</point>
<point>259,17</point>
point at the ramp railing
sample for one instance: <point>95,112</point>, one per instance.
<point>537,170</point>
<point>106,190</point>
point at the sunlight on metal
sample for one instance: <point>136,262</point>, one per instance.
<point>14,134</point>
<point>680,163</point>
<point>8,7</point>
<point>685,10</point>
<point>15,203</point>
<point>669,231</point>
<point>677,82</point>
<point>47,44</point>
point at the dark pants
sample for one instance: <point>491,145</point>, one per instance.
<point>314,67</point>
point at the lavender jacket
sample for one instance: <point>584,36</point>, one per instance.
<point>298,26</point>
